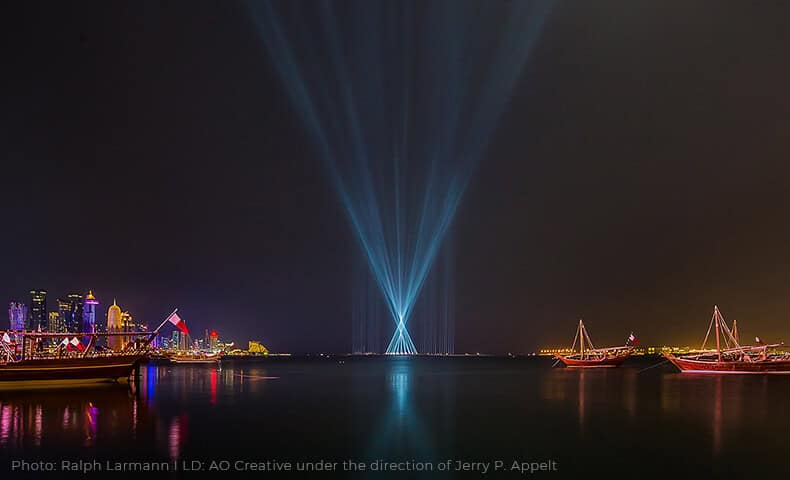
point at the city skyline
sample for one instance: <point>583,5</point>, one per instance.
<point>70,316</point>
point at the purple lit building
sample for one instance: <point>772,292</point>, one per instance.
<point>17,315</point>
<point>89,313</point>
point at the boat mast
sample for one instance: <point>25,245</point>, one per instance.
<point>716,318</point>
<point>735,331</point>
<point>581,337</point>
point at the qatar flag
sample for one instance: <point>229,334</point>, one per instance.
<point>76,342</point>
<point>178,322</point>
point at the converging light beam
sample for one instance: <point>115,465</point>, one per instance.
<point>400,100</point>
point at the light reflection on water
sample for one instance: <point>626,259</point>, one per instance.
<point>406,408</point>
<point>401,425</point>
<point>177,435</point>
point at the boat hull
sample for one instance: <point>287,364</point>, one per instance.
<point>195,359</point>
<point>69,370</point>
<point>609,362</point>
<point>687,365</point>
<point>210,361</point>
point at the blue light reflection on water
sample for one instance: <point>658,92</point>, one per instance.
<point>401,427</point>
<point>150,383</point>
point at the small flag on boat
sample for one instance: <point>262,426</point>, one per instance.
<point>64,343</point>
<point>178,322</point>
<point>6,338</point>
<point>76,342</point>
<point>632,340</point>
<point>757,339</point>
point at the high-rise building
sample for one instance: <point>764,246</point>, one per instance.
<point>70,310</point>
<point>78,301</point>
<point>56,324</point>
<point>186,342</point>
<point>114,326</point>
<point>175,342</point>
<point>213,340</point>
<point>127,323</point>
<point>17,316</point>
<point>66,312</point>
<point>89,313</point>
<point>38,310</point>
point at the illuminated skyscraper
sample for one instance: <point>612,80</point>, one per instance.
<point>177,340</point>
<point>66,311</point>
<point>70,310</point>
<point>17,316</point>
<point>127,323</point>
<point>56,324</point>
<point>38,310</point>
<point>213,340</point>
<point>114,326</point>
<point>89,313</point>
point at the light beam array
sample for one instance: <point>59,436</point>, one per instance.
<point>400,99</point>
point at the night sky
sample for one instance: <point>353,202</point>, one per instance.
<point>639,176</point>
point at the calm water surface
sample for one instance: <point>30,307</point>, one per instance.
<point>611,421</point>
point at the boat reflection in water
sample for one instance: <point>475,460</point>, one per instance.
<point>80,417</point>
<point>593,394</point>
<point>98,421</point>
<point>718,399</point>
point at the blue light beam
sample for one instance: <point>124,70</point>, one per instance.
<point>400,100</point>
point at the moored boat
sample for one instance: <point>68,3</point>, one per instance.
<point>26,360</point>
<point>196,358</point>
<point>591,357</point>
<point>31,358</point>
<point>730,356</point>
<point>70,370</point>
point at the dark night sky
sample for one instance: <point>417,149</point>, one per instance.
<point>639,176</point>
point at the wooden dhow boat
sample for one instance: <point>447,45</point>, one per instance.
<point>730,356</point>
<point>36,357</point>
<point>33,358</point>
<point>591,357</point>
<point>197,358</point>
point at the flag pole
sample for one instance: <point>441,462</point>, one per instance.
<point>156,332</point>
<point>167,319</point>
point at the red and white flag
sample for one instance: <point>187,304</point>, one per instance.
<point>64,343</point>
<point>6,338</point>
<point>178,322</point>
<point>76,342</point>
